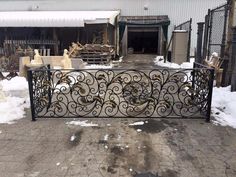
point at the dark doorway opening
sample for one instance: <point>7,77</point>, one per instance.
<point>143,41</point>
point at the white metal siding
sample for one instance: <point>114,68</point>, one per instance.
<point>177,10</point>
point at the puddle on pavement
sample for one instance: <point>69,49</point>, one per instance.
<point>167,173</point>
<point>146,175</point>
<point>117,150</point>
<point>154,126</point>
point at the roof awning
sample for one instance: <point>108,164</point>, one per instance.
<point>145,20</point>
<point>56,18</point>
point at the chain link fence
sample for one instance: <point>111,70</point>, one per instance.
<point>216,22</point>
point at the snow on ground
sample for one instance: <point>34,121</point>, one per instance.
<point>14,99</point>
<point>94,66</point>
<point>84,123</point>
<point>12,108</point>
<point>137,123</point>
<point>106,137</point>
<point>72,138</point>
<point>16,83</point>
<point>223,106</point>
<point>159,60</point>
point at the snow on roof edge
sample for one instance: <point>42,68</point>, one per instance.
<point>55,18</point>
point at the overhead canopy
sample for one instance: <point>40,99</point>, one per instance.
<point>56,18</point>
<point>145,20</point>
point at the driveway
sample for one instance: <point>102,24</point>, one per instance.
<point>114,148</point>
<point>138,61</point>
<point>117,147</point>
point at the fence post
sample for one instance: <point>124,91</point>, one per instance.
<point>189,39</point>
<point>209,100</point>
<point>206,34</point>
<point>210,33</point>
<point>226,62</point>
<point>199,41</point>
<point>49,86</point>
<point>31,94</point>
<point>222,51</point>
<point>233,59</point>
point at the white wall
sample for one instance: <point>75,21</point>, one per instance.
<point>177,10</point>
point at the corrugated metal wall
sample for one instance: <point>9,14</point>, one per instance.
<point>177,10</point>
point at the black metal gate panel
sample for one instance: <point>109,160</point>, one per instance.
<point>171,93</point>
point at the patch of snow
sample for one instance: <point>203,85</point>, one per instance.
<point>13,109</point>
<point>16,83</point>
<point>82,123</point>
<point>223,106</point>
<point>159,60</point>
<point>58,163</point>
<point>130,169</point>
<point>94,66</point>
<point>108,125</point>
<point>118,61</point>
<point>106,147</point>
<point>14,99</point>
<point>0,131</point>
<point>118,137</point>
<point>180,31</point>
<point>139,130</point>
<point>72,138</point>
<point>137,123</point>
<point>5,74</point>
<point>106,137</point>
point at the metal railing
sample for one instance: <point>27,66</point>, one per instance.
<point>104,93</point>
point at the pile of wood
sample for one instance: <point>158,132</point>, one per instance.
<point>92,53</point>
<point>216,63</point>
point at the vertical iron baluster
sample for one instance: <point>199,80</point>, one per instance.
<point>210,87</point>
<point>31,93</point>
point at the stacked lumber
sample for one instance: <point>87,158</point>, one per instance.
<point>92,53</point>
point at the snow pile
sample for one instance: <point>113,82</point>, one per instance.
<point>14,99</point>
<point>82,123</point>
<point>94,66</point>
<point>12,108</point>
<point>223,106</point>
<point>16,83</point>
<point>159,60</point>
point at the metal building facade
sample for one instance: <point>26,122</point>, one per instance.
<point>178,11</point>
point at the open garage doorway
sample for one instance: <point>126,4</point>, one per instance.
<point>143,40</point>
<point>143,34</point>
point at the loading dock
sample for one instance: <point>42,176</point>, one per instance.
<point>143,34</point>
<point>143,40</point>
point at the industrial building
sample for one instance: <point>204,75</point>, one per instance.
<point>143,26</point>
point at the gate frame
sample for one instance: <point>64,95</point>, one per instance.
<point>197,66</point>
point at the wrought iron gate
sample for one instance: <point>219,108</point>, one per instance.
<point>171,93</point>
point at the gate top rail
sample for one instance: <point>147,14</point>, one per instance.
<point>184,23</point>
<point>219,7</point>
<point>197,66</point>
